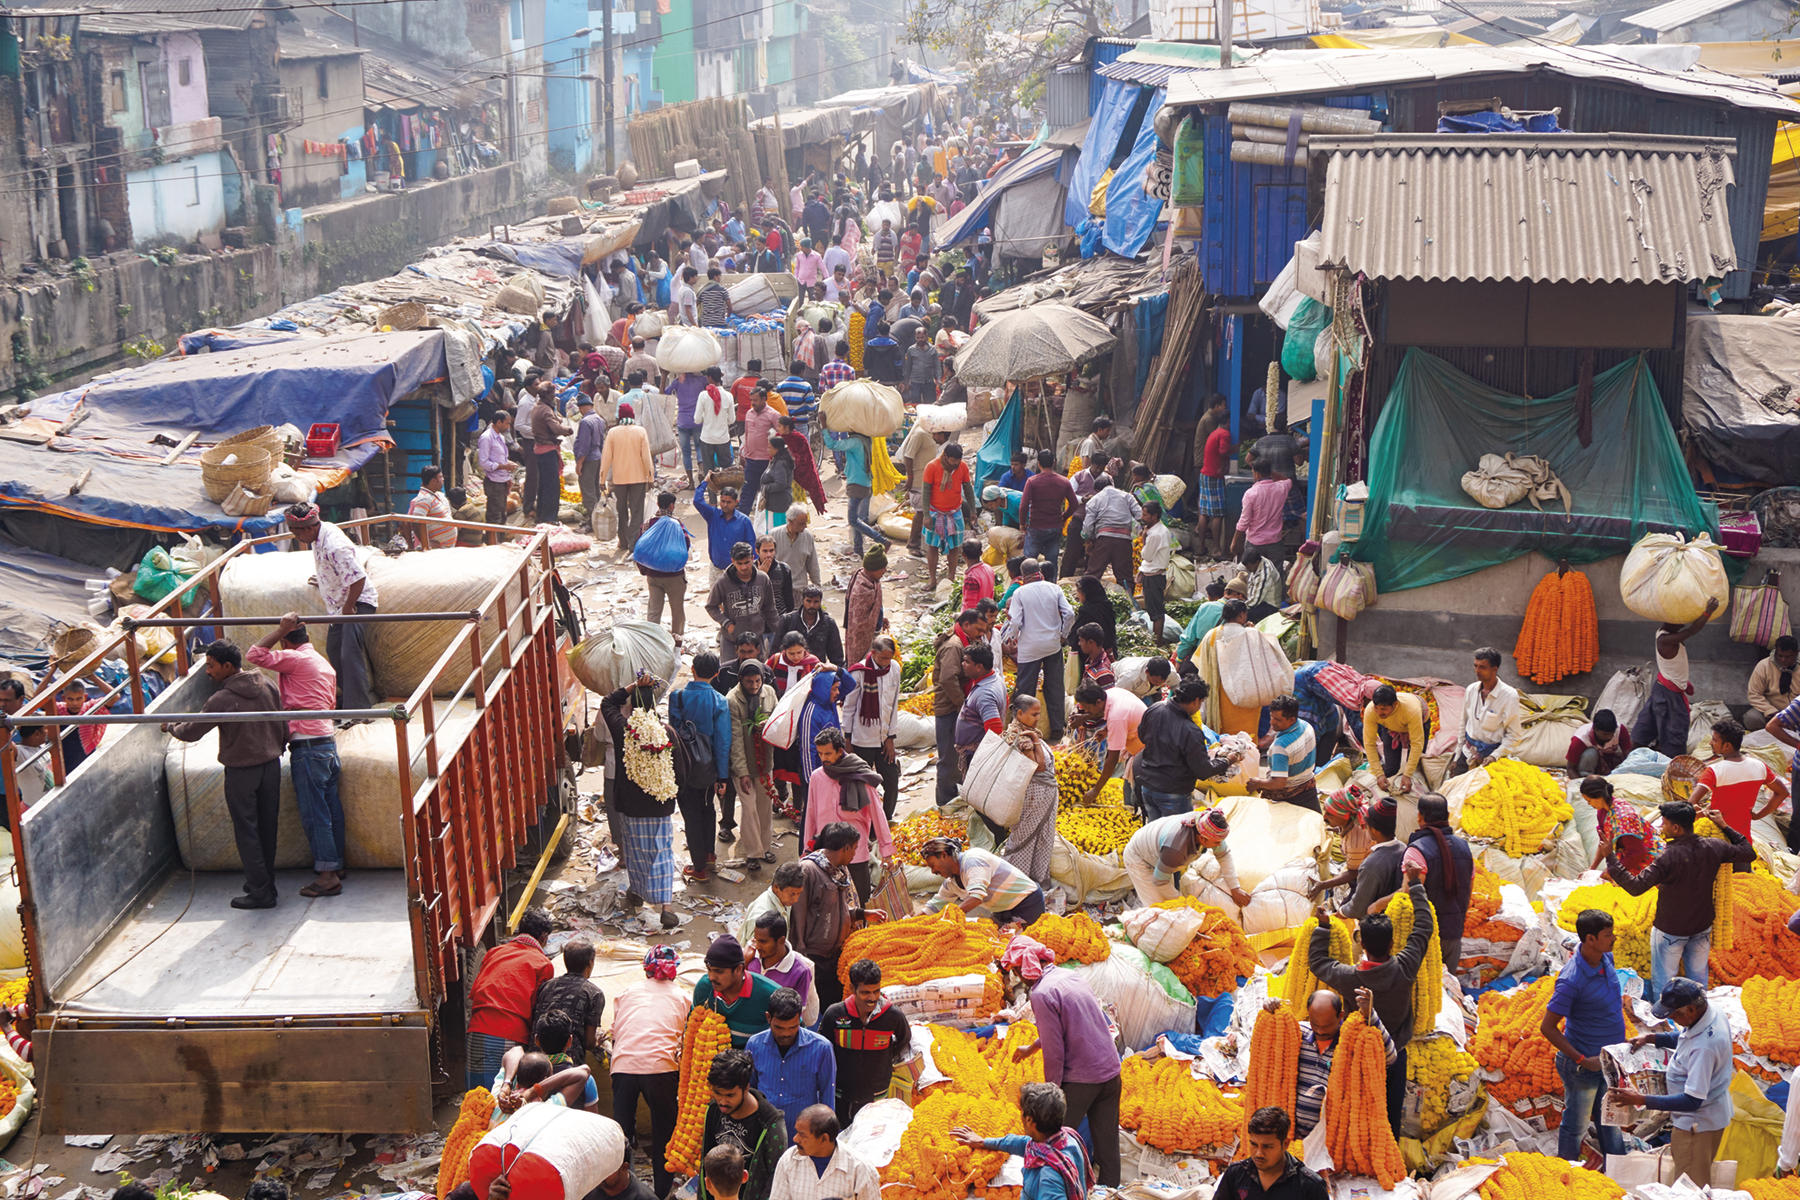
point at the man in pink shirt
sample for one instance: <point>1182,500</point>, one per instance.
<point>308,682</point>
<point>759,427</point>
<point>1259,523</point>
<point>1123,712</point>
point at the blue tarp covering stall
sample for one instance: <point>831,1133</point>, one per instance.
<point>1126,111</point>
<point>561,259</point>
<point>136,492</point>
<point>970,221</point>
<point>348,380</point>
<point>1132,213</point>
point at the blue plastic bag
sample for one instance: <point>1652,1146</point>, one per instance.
<point>663,547</point>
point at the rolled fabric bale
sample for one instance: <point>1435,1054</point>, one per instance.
<point>202,822</point>
<point>369,782</point>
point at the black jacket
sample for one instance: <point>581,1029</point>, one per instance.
<point>1391,980</point>
<point>1242,1181</point>
<point>823,641</point>
<point>768,1141</point>
<point>632,800</point>
<point>782,580</point>
<point>1174,754</point>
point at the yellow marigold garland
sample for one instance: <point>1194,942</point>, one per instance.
<point>1357,1133</point>
<point>706,1036</point>
<point>1760,943</point>
<point>1171,1110</point>
<point>1428,984</point>
<point>1770,1188</point>
<point>1484,899</point>
<point>1074,938</point>
<point>1274,1061</point>
<point>1773,1006</point>
<point>1536,1176</point>
<point>1631,916</point>
<point>1218,956</point>
<point>932,1165</point>
<point>15,991</point>
<point>1519,806</point>
<point>1721,889</point>
<point>471,1125</point>
<point>920,828</point>
<point>1010,1072</point>
<point>1298,983</point>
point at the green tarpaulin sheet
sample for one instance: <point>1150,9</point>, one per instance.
<point>1420,527</point>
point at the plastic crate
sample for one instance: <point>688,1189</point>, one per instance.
<point>322,441</point>
<point>644,196</point>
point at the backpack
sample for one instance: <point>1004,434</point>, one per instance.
<point>695,766</point>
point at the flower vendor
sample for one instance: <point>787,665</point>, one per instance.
<point>1699,1078</point>
<point>1400,727</point>
<point>1076,1039</point>
<point>1292,753</point>
<point>1449,872</point>
<point>1492,720</point>
<point>1619,826</point>
<point>649,1020</point>
<point>1174,759</point>
<point>846,788</point>
<point>870,1038</point>
<point>644,795</point>
<point>817,1166</point>
<point>1169,845</point>
<point>1731,783</point>
<point>1057,1166</point>
<point>795,1066</point>
<point>1585,1014</point>
<point>733,991</point>
<point>1319,1041</point>
<point>979,881</point>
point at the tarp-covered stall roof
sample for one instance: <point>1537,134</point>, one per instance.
<point>816,126</point>
<point>38,592</point>
<point>1740,394</point>
<point>1121,137</point>
<point>1606,208</point>
<point>967,223</point>
<point>347,379</point>
<point>138,493</point>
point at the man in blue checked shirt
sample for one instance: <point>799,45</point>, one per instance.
<point>795,1067</point>
<point>1292,752</point>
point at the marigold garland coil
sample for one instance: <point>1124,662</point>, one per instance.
<point>707,1035</point>
<point>932,1165</point>
<point>1536,1176</point>
<point>1074,938</point>
<point>1357,1133</point>
<point>15,992</point>
<point>1507,1039</point>
<point>1519,806</point>
<point>1561,634</point>
<point>1760,943</point>
<point>1274,1062</point>
<point>930,946</point>
<point>1632,916</point>
<point>1770,1188</point>
<point>471,1126</point>
<point>1218,956</point>
<point>1298,983</point>
<point>1773,1006</point>
<point>1721,890</point>
<point>1428,984</point>
<point>1171,1110</point>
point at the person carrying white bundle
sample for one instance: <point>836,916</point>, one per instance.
<point>1164,848</point>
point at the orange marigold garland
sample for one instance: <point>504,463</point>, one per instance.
<point>929,946</point>
<point>1508,1040</point>
<point>1561,633</point>
<point>1760,943</point>
<point>1356,1127</point>
<point>1171,1110</point>
<point>471,1125</point>
<point>1074,938</point>
<point>1218,956</point>
<point>1274,1062</point>
<point>706,1036</point>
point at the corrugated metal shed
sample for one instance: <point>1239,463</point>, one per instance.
<point>1066,95</point>
<point>1103,50</point>
<point>1556,208</point>
<point>1148,74</point>
<point>1677,13</point>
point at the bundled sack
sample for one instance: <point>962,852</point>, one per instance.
<point>1089,878</point>
<point>1282,900</point>
<point>401,653</point>
<point>1162,933</point>
<point>1668,579</point>
<point>943,418</point>
<point>547,1152</point>
<point>611,659</point>
<point>1252,667</point>
<point>1145,1001</point>
<point>1626,693</point>
<point>1549,722</point>
<point>1347,588</point>
<point>663,547</point>
<point>863,406</point>
<point>914,732</point>
<point>657,415</point>
<point>650,324</point>
<point>995,783</point>
<point>685,349</point>
<point>1503,480</point>
<point>203,832</point>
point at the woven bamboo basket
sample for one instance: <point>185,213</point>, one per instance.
<point>264,436</point>
<point>400,317</point>
<point>251,469</point>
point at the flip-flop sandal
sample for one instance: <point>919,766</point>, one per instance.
<point>313,891</point>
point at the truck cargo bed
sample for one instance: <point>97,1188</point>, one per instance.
<point>335,955</point>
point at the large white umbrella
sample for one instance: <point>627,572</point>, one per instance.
<point>1044,339</point>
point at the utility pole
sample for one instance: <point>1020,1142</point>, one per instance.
<point>1223,8</point>
<point>606,75</point>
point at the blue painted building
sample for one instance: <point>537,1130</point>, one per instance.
<point>568,99</point>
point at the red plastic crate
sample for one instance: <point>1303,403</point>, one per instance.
<point>322,441</point>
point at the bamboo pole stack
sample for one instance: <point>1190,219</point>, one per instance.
<point>1169,370</point>
<point>715,131</point>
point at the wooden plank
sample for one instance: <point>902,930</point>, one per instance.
<point>90,1058</point>
<point>321,1107</point>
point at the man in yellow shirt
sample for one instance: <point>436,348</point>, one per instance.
<point>1395,731</point>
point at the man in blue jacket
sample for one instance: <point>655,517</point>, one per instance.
<point>701,720</point>
<point>725,525</point>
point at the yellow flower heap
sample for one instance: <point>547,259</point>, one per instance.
<point>1773,1006</point>
<point>1537,1176</point>
<point>1721,890</point>
<point>983,1094</point>
<point>1076,938</point>
<point>1171,1110</point>
<point>1218,956</point>
<point>1075,774</point>
<point>1771,1188</point>
<point>1428,984</point>
<point>1298,983</point>
<point>706,1037</point>
<point>1519,806</point>
<point>929,946</point>
<point>15,991</point>
<point>1433,1063</point>
<point>920,828</point>
<point>1356,1127</point>
<point>1631,920</point>
<point>1101,828</point>
<point>1760,943</point>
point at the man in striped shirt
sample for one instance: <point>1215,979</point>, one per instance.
<point>1318,1042</point>
<point>1293,750</point>
<point>800,399</point>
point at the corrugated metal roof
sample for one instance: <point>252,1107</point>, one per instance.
<point>203,14</point>
<point>1148,74</point>
<point>1677,13</point>
<point>1315,72</point>
<point>1557,207</point>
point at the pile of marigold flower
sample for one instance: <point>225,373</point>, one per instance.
<point>1274,1062</point>
<point>1075,774</point>
<point>1298,983</point>
<point>1536,1176</point>
<point>1428,984</point>
<point>1102,828</point>
<point>1011,1072</point>
<point>706,1037</point>
<point>1631,920</point>
<point>1433,1063</point>
<point>1773,1006</point>
<point>1074,938</point>
<point>920,828</point>
<point>929,946</point>
<point>932,1165</point>
<point>1519,806</point>
<point>453,1167</point>
<point>1218,956</point>
<point>1169,1109</point>
<point>1356,1127</point>
<point>1770,1188</point>
<point>1507,1040</point>
<point>1760,943</point>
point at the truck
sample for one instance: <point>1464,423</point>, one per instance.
<point>160,1009</point>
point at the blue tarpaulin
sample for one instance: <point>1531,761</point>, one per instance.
<point>137,492</point>
<point>203,341</point>
<point>1117,100</point>
<point>1131,213</point>
<point>559,258</point>
<point>1152,312</point>
<point>995,456</point>
<point>348,380</point>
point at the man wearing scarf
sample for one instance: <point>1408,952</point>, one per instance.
<point>842,788</point>
<point>827,910</point>
<point>1449,872</point>
<point>862,605</point>
<point>1077,1043</point>
<point>870,1037</point>
<point>871,716</point>
<point>1771,687</point>
<point>753,764</point>
<point>1056,1162</point>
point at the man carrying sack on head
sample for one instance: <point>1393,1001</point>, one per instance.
<point>346,589</point>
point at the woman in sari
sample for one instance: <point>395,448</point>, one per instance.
<point>788,667</point>
<point>1029,844</point>
<point>1621,829</point>
<point>806,470</point>
<point>1221,715</point>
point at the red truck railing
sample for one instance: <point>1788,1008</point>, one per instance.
<point>482,782</point>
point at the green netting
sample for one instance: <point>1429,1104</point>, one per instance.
<point>1420,526</point>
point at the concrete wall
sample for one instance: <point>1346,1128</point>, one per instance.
<point>177,201</point>
<point>187,102</point>
<point>1434,631</point>
<point>308,179</point>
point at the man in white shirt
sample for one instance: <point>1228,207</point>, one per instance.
<point>843,1176</point>
<point>871,716</point>
<point>1039,616</point>
<point>686,308</point>
<point>1153,567</point>
<point>1492,720</point>
<point>346,589</point>
<point>836,256</point>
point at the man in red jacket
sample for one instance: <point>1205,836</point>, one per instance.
<point>501,997</point>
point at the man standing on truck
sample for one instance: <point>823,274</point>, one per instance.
<point>347,590</point>
<point>250,752</point>
<point>502,996</point>
<point>308,682</point>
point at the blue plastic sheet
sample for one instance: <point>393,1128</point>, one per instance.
<point>136,492</point>
<point>995,456</point>
<point>1107,126</point>
<point>202,341</point>
<point>1131,213</point>
<point>349,380</point>
<point>560,258</point>
<point>1152,312</point>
